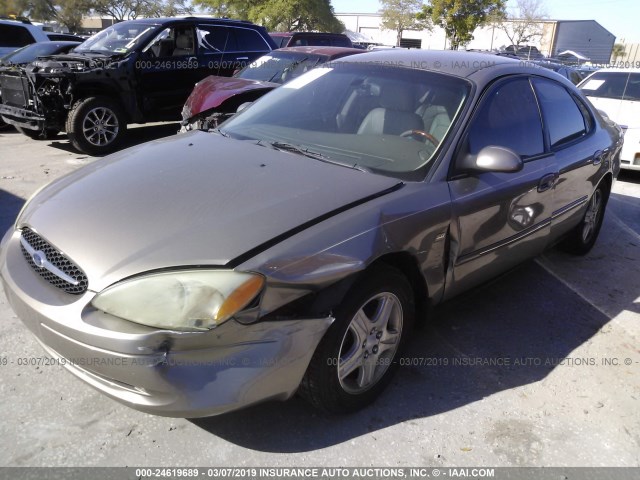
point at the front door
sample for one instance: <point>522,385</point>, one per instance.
<point>500,219</point>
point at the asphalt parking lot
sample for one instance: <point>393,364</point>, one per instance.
<point>540,367</point>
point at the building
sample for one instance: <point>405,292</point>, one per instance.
<point>586,37</point>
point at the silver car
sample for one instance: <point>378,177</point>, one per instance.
<point>293,249</point>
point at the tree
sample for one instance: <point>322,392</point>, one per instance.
<point>131,9</point>
<point>67,12</point>
<point>296,15</point>
<point>619,51</point>
<point>41,10</point>
<point>459,18</point>
<point>70,13</point>
<point>231,8</point>
<point>118,9</point>
<point>401,15</point>
<point>524,23</point>
<point>166,8</point>
<point>284,15</point>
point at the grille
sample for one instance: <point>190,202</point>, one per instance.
<point>58,260</point>
<point>13,90</point>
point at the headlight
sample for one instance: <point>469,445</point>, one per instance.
<point>181,300</point>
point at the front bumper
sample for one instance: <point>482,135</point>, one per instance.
<point>20,117</point>
<point>177,374</point>
<point>630,154</point>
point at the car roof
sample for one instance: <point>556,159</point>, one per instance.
<point>320,50</point>
<point>452,62</point>
<point>163,20</point>
<point>300,34</point>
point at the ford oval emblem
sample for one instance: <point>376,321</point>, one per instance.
<point>39,258</point>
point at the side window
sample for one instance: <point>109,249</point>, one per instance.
<point>250,41</point>
<point>508,117</point>
<point>215,39</point>
<point>15,36</point>
<point>173,42</point>
<point>562,116</point>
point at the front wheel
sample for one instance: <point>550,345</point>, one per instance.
<point>357,357</point>
<point>583,237</point>
<point>96,125</point>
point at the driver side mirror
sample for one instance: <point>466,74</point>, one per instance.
<point>493,159</point>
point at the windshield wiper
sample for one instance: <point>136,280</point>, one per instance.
<point>289,147</point>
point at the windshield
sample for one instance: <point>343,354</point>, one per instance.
<point>616,85</point>
<point>368,116</point>
<point>29,53</point>
<point>119,38</point>
<point>279,67</point>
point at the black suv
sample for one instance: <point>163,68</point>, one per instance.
<point>133,72</point>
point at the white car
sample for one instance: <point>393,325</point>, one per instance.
<point>616,92</point>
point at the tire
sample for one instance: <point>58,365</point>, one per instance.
<point>349,369</point>
<point>583,237</point>
<point>49,133</point>
<point>96,125</point>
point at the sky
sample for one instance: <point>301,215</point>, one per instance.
<point>620,17</point>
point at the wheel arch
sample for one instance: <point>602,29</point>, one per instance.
<point>101,90</point>
<point>607,183</point>
<point>408,265</point>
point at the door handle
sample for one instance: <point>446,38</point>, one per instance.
<point>242,58</point>
<point>547,182</point>
<point>597,157</point>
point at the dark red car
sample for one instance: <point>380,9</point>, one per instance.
<point>216,98</point>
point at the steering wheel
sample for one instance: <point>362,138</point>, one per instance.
<point>422,134</point>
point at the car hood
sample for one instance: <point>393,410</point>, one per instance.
<point>192,199</point>
<point>213,91</point>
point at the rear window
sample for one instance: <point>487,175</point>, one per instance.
<point>15,36</point>
<point>617,85</point>
<point>250,41</point>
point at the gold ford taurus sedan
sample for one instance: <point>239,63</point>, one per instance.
<point>291,249</point>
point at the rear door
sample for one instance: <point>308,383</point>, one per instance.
<point>225,49</point>
<point>579,155</point>
<point>501,219</point>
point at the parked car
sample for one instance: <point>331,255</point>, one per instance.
<point>132,72</point>
<point>527,52</point>
<point>617,93</point>
<point>29,53</point>
<point>217,98</point>
<point>18,33</point>
<point>293,248</point>
<point>303,39</point>
<point>568,72</point>
<point>64,37</point>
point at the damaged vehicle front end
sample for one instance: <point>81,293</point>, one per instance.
<point>136,71</point>
<point>37,97</point>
